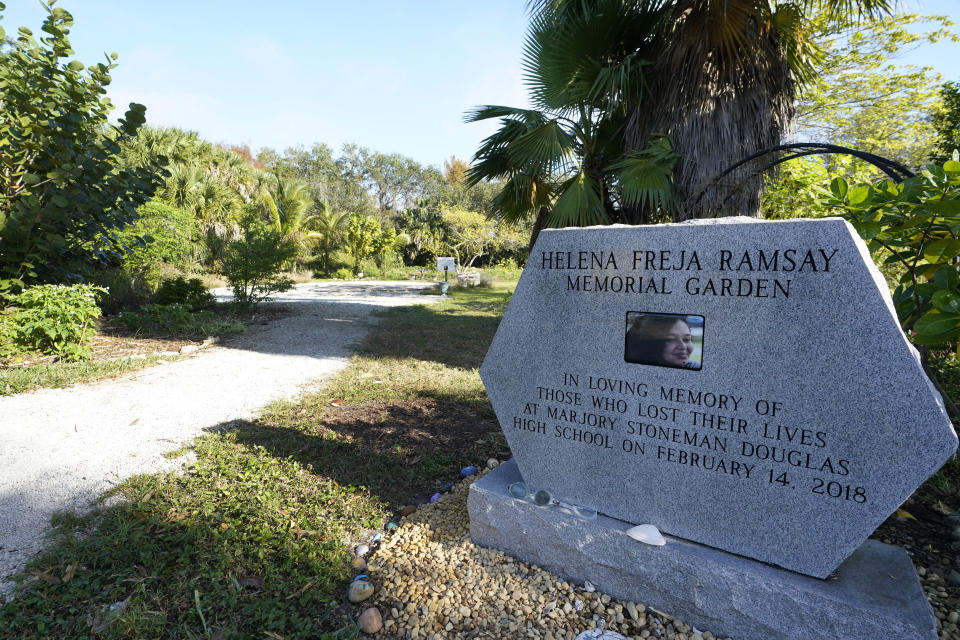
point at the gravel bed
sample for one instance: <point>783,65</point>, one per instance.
<point>433,583</point>
<point>62,448</point>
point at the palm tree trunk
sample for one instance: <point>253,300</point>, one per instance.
<point>538,226</point>
<point>714,118</point>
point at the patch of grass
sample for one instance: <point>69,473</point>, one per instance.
<point>63,374</point>
<point>254,537</point>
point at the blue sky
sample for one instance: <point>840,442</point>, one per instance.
<point>392,76</point>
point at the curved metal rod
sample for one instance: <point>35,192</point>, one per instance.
<point>893,169</point>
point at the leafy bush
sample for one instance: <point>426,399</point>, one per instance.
<point>51,319</point>
<point>253,265</point>
<point>64,190</point>
<point>179,290</point>
<point>916,224</point>
<point>343,274</point>
<point>177,320</point>
<point>162,237</point>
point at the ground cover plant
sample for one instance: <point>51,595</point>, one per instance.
<point>252,540</point>
<point>16,380</point>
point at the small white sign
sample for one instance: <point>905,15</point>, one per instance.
<point>446,264</point>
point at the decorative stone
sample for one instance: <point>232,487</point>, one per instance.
<point>407,510</point>
<point>648,534</point>
<point>738,383</point>
<point>377,537</point>
<point>359,591</point>
<point>600,634</point>
<point>361,550</point>
<point>358,564</point>
<point>492,463</point>
<point>542,498</point>
<point>466,472</point>
<point>874,594</point>
<point>370,621</point>
<point>436,497</point>
<point>517,490</point>
<point>392,526</point>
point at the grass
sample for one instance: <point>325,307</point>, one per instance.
<point>63,374</point>
<point>252,541</point>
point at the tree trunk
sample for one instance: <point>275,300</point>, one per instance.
<point>715,113</point>
<point>538,225</point>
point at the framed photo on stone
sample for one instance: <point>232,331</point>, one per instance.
<point>664,340</point>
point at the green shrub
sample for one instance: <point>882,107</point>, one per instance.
<point>343,274</point>
<point>916,225</point>
<point>51,319</point>
<point>177,320</point>
<point>253,265</point>
<point>179,290</point>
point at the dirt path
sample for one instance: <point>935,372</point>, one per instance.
<point>61,448</point>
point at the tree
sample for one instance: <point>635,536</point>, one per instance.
<point>253,264</point>
<point>455,171</point>
<point>384,247</point>
<point>63,191</point>
<point>471,235</point>
<point>947,122</point>
<point>864,100</point>
<point>722,81</point>
<point>361,232</point>
<point>287,211</point>
<point>329,225</point>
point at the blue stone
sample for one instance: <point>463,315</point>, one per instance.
<point>377,536</point>
<point>518,490</point>
<point>542,498</point>
<point>391,526</point>
<point>435,497</point>
<point>362,576</point>
<point>466,472</point>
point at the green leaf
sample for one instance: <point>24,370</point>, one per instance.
<point>839,188</point>
<point>951,166</point>
<point>946,302</point>
<point>947,278</point>
<point>940,251</point>
<point>30,179</point>
<point>75,65</point>
<point>934,323</point>
<point>859,194</point>
<point>60,200</point>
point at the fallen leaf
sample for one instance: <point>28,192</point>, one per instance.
<point>275,636</point>
<point>134,422</point>
<point>68,574</point>
<point>224,526</point>
<point>901,513</point>
<point>335,403</point>
<point>46,577</point>
<point>148,495</point>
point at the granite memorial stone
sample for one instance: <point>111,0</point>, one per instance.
<point>740,384</point>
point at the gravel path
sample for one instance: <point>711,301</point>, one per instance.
<point>61,448</point>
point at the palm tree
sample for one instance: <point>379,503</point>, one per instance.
<point>329,227</point>
<point>719,77</point>
<point>564,161</point>
<point>287,210</point>
<point>623,90</point>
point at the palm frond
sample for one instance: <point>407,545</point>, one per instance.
<point>644,178</point>
<point>580,203</point>
<point>548,147</point>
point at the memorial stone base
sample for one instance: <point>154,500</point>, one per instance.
<point>874,594</point>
